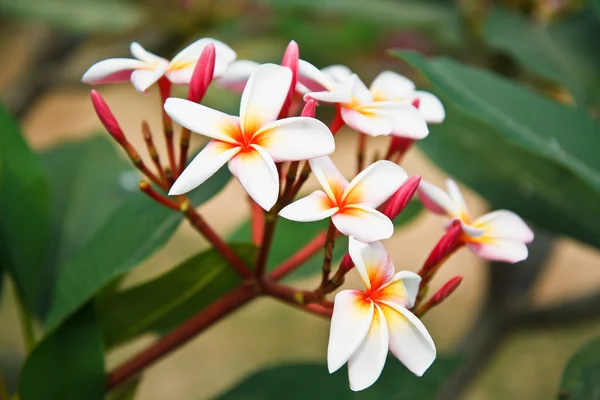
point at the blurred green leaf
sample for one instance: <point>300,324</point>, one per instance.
<point>107,16</point>
<point>24,211</point>
<point>312,381</point>
<point>68,364</point>
<point>565,53</point>
<point>125,391</point>
<point>291,236</point>
<point>134,231</point>
<point>516,148</point>
<point>166,301</point>
<point>581,379</point>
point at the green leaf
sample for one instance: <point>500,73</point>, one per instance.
<point>125,391</point>
<point>78,15</point>
<point>166,301</point>
<point>68,364</point>
<point>516,148</point>
<point>134,231</point>
<point>24,211</point>
<point>581,379</point>
<point>291,236</point>
<point>312,381</point>
<point>564,53</point>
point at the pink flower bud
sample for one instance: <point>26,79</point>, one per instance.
<point>400,199</point>
<point>310,108</point>
<point>347,264</point>
<point>416,102</point>
<point>290,60</point>
<point>203,74</point>
<point>446,246</point>
<point>400,145</point>
<point>107,118</point>
<point>446,290</point>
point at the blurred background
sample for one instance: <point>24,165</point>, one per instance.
<point>46,45</point>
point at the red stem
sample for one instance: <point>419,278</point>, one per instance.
<point>153,194</point>
<point>299,257</point>
<point>337,122</point>
<point>360,152</point>
<point>164,86</point>
<point>258,222</point>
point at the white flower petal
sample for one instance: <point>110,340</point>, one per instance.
<point>330,178</point>
<point>456,196</point>
<point>351,320</point>
<point>295,138</point>
<point>409,340</point>
<point>401,290</point>
<point>203,120</point>
<point>182,65</point>
<point>367,362</point>
<point>389,85</point>
<point>144,55</point>
<point>493,249</point>
<point>312,78</point>
<point>256,172</point>
<point>408,121</point>
<point>214,155</point>
<point>470,230</point>
<point>338,73</point>
<point>375,184</point>
<point>372,123</point>
<point>263,96</point>
<point>113,70</point>
<point>506,225</point>
<point>363,223</point>
<point>360,92</point>
<point>314,207</point>
<point>237,75</point>
<point>431,107</point>
<point>372,263</point>
<point>336,96</point>
<point>437,201</point>
<point>142,79</point>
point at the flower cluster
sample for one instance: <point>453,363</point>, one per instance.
<point>271,153</point>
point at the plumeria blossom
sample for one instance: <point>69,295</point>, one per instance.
<point>391,86</point>
<point>237,74</point>
<point>366,324</point>
<point>252,143</point>
<point>351,205</point>
<point>359,107</point>
<point>500,235</point>
<point>146,68</point>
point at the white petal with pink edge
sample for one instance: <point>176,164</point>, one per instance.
<point>408,122</point>
<point>456,196</point>
<point>201,119</point>
<point>296,138</point>
<point>113,70</point>
<point>409,340</point>
<point>364,223</point>
<point>372,263</point>
<point>331,179</point>
<point>214,155</point>
<point>367,362</point>
<point>313,207</point>
<point>237,75</point>
<point>506,250</point>
<point>257,173</point>
<point>372,123</point>
<point>142,79</point>
<point>436,200</point>
<point>376,183</point>
<point>185,61</point>
<point>350,323</point>
<point>389,85</point>
<point>431,107</point>
<point>312,78</point>
<point>505,224</point>
<point>410,282</point>
<point>263,96</point>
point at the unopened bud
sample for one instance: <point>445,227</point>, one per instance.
<point>203,74</point>
<point>290,60</point>
<point>310,108</point>
<point>416,102</point>
<point>446,290</point>
<point>402,196</point>
<point>400,145</point>
<point>446,246</point>
<point>107,118</point>
<point>347,264</point>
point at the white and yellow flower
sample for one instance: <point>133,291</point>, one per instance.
<point>500,235</point>
<point>365,325</point>
<point>146,68</point>
<point>252,143</point>
<point>351,205</point>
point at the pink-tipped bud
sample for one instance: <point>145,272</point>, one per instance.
<point>446,290</point>
<point>400,199</point>
<point>400,145</point>
<point>347,264</point>
<point>203,74</point>
<point>416,102</point>
<point>290,60</point>
<point>446,246</point>
<point>107,118</point>
<point>310,108</point>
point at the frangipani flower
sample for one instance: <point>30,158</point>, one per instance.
<point>366,324</point>
<point>391,86</point>
<point>500,235</point>
<point>146,68</point>
<point>351,206</point>
<point>237,74</point>
<point>252,143</point>
<point>359,107</point>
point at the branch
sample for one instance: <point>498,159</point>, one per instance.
<point>581,310</point>
<point>299,257</point>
